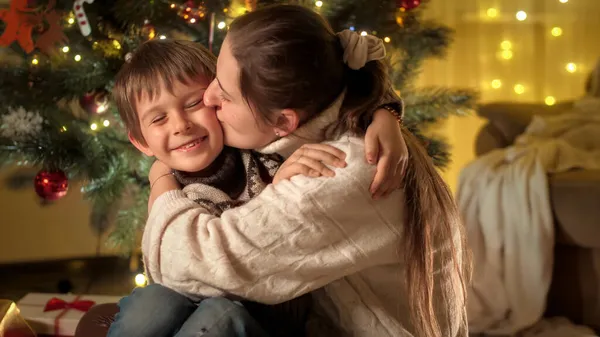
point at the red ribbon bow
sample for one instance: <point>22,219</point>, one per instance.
<point>58,304</point>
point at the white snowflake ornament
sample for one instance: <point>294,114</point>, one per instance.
<point>19,124</point>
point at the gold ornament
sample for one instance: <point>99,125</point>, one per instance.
<point>400,17</point>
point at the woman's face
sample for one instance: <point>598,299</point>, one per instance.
<point>242,128</point>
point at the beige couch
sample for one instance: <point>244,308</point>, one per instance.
<point>575,199</point>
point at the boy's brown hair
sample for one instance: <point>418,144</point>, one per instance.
<point>154,63</point>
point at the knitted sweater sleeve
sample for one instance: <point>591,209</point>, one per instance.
<point>295,237</point>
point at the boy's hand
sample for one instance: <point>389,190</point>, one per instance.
<point>311,160</point>
<point>161,181</point>
<point>157,170</point>
<point>385,146</point>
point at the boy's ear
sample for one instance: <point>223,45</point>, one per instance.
<point>138,145</point>
<point>287,122</point>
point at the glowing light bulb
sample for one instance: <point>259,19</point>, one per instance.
<point>550,100</point>
<point>65,49</point>
<point>172,5</point>
<point>71,21</point>
<point>556,31</point>
<point>94,126</point>
<point>519,89</point>
<point>35,61</point>
<point>563,1</point>
<point>221,25</point>
<point>77,58</point>
<point>162,37</point>
<point>63,129</point>
<point>192,20</point>
<point>496,84</point>
<point>106,123</point>
<point>319,3</point>
<point>507,54</point>
<point>571,67</point>
<point>363,33</point>
<point>387,39</point>
<point>521,15</point>
<point>140,280</point>
<point>506,45</point>
<point>492,12</point>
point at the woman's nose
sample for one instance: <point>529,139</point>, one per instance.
<point>211,95</point>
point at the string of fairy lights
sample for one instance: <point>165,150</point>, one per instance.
<point>506,52</point>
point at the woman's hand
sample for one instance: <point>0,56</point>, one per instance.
<point>385,146</point>
<point>311,160</point>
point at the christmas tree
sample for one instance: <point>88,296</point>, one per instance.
<point>57,114</point>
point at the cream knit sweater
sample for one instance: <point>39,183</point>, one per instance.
<point>320,235</point>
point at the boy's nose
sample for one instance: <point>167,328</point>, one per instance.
<point>181,125</point>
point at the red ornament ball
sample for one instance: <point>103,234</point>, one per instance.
<point>95,102</point>
<point>408,4</point>
<point>51,185</point>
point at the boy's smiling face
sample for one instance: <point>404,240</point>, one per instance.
<point>178,129</point>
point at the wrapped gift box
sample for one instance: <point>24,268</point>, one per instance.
<point>58,314</point>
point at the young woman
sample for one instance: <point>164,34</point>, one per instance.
<point>389,267</point>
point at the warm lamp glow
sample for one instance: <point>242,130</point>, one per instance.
<point>505,45</point>
<point>319,3</point>
<point>94,126</point>
<point>519,89</point>
<point>521,15</point>
<point>550,100</point>
<point>140,280</point>
<point>387,39</point>
<point>571,67</point>
<point>496,84</point>
<point>492,12</point>
<point>507,54</point>
<point>556,31</point>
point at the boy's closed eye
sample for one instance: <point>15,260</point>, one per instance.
<point>193,104</point>
<point>158,119</point>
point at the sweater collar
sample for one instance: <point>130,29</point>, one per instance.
<point>315,130</point>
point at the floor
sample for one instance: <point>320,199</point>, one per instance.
<point>99,276</point>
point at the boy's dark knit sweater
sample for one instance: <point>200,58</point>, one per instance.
<point>234,178</point>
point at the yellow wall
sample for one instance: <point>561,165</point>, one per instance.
<point>32,232</point>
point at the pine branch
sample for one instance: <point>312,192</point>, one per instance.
<point>428,105</point>
<point>130,220</point>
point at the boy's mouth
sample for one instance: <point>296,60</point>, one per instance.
<point>194,144</point>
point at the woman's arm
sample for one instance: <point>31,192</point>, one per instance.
<point>295,237</point>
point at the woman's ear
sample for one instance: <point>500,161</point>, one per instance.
<point>287,122</point>
<point>139,145</point>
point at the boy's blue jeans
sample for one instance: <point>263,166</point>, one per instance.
<point>157,311</point>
